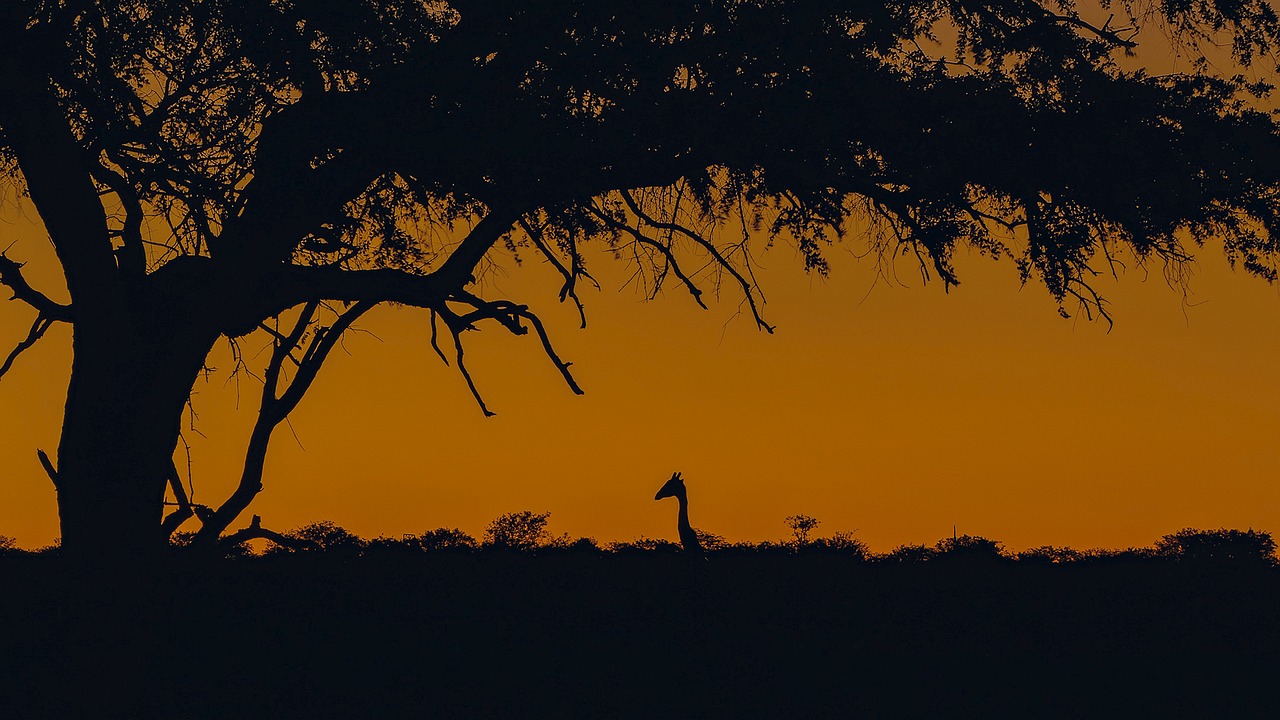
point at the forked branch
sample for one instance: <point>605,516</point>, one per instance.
<point>277,404</point>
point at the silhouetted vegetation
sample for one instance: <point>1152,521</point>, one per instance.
<point>529,532</point>
<point>439,625</point>
<point>268,172</point>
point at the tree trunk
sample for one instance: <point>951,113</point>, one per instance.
<point>120,427</point>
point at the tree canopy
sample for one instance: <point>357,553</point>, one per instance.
<point>203,167</point>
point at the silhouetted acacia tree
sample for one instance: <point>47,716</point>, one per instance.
<point>205,168</point>
<point>524,530</point>
<point>801,526</point>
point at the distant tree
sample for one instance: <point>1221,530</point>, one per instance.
<point>524,530</point>
<point>218,169</point>
<point>445,539</point>
<point>911,553</point>
<point>801,526</point>
<point>324,536</point>
<point>1236,546</point>
<point>8,545</point>
<point>970,547</point>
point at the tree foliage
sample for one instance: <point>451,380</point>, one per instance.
<point>203,167</point>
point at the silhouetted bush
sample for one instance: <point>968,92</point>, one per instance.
<point>323,536</point>
<point>1128,555</point>
<point>383,545</point>
<point>574,546</point>
<point>970,548</point>
<point>1049,555</point>
<point>643,545</point>
<point>842,543</point>
<point>524,530</point>
<point>1222,545</point>
<point>711,541</point>
<point>909,554</point>
<point>451,539</point>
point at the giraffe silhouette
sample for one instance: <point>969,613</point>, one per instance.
<point>675,488</point>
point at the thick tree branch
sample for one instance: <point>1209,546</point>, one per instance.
<point>174,520</point>
<point>256,531</point>
<point>57,174</point>
<point>11,276</point>
<point>291,285</point>
<point>132,256</point>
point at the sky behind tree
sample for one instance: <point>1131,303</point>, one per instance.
<point>879,406</point>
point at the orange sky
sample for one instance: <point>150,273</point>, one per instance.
<point>883,407</point>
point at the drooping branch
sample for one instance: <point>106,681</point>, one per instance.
<point>748,288</point>
<point>668,256</point>
<point>509,314</point>
<point>570,274</point>
<point>456,327</point>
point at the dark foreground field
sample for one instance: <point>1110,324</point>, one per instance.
<point>495,635</point>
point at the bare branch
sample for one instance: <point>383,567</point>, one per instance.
<point>569,289</point>
<point>456,327</point>
<point>49,470</point>
<point>748,288</point>
<point>435,344</point>
<point>11,276</point>
<point>643,239</point>
<point>276,408</point>
<point>38,329</point>
<point>509,314</point>
<point>561,365</point>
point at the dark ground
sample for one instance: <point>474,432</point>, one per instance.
<point>661,636</point>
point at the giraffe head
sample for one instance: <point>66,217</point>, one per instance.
<point>674,488</point>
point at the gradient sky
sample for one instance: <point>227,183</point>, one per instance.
<point>881,406</point>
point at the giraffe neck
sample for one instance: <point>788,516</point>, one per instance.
<point>683,521</point>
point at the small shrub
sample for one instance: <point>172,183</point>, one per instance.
<point>842,543</point>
